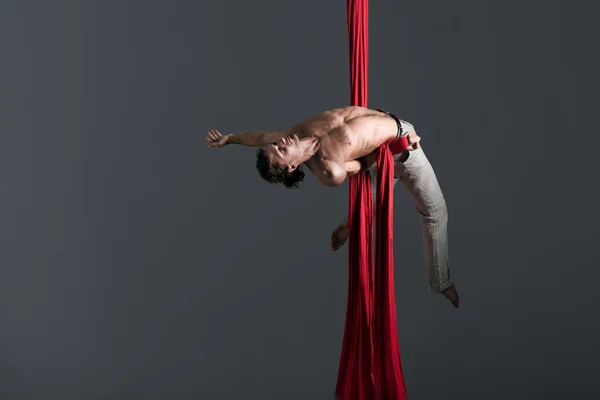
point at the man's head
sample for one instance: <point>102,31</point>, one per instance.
<point>280,162</point>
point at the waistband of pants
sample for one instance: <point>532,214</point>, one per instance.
<point>398,121</point>
<point>399,144</point>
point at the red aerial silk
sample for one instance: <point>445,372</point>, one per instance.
<point>370,367</point>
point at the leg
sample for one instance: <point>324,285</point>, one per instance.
<point>416,173</point>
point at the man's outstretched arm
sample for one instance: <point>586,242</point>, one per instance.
<point>251,139</point>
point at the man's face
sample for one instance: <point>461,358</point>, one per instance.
<point>285,152</point>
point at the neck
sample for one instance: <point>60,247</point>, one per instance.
<point>309,148</point>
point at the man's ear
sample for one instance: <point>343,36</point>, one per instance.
<point>292,167</point>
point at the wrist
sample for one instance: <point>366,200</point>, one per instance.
<point>228,139</point>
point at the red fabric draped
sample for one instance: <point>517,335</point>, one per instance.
<point>370,367</point>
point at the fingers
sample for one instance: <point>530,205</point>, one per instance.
<point>335,245</point>
<point>212,137</point>
<point>413,141</point>
<point>214,134</point>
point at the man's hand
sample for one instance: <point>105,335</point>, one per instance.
<point>413,141</point>
<point>215,139</point>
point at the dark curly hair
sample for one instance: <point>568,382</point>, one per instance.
<point>274,173</point>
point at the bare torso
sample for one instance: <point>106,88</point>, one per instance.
<point>344,134</point>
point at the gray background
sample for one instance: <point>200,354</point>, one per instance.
<point>138,264</point>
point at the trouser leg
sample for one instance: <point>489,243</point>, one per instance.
<point>417,175</point>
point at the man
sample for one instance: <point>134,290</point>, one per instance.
<point>339,143</point>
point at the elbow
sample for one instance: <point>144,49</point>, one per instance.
<point>334,182</point>
<point>334,178</point>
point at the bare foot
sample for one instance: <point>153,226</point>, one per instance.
<point>339,236</point>
<point>451,295</point>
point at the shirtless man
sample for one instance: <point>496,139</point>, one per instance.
<point>339,143</point>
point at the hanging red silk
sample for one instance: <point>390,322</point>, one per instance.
<point>370,366</point>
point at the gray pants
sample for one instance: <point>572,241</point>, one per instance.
<point>417,175</point>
